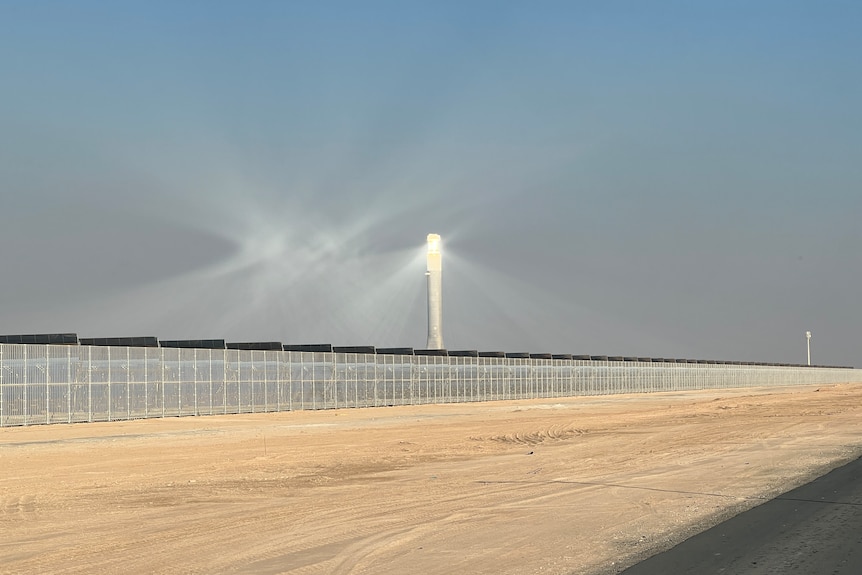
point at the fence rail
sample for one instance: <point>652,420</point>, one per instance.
<point>43,384</point>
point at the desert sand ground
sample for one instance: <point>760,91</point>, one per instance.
<point>572,485</point>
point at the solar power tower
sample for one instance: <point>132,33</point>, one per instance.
<point>434,273</point>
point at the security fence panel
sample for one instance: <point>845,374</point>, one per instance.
<point>366,380</point>
<point>516,378</point>
<point>583,377</point>
<point>471,383</point>
<point>460,376</point>
<point>548,379</point>
<point>379,399</point>
<point>579,377</point>
<point>260,373</point>
<point>58,378</point>
<point>458,379</point>
<point>323,374</point>
<point>231,380</point>
<point>203,398</point>
<point>436,386</point>
<point>457,376</point>
<point>714,375</point>
<point>615,377</point>
<point>37,384</point>
<point>170,382</point>
<point>303,379</point>
<point>531,376</point>
<point>697,376</point>
<point>552,379</point>
<point>354,380</point>
<point>3,397</point>
<point>555,376</point>
<point>670,375</point>
<point>608,377</point>
<point>587,377</point>
<point>340,394</point>
<point>155,384</point>
<point>323,379</point>
<point>501,379</point>
<point>405,373</point>
<point>285,383</point>
<point>386,375</point>
<point>445,380</point>
<point>567,378</point>
<point>510,378</point>
<point>412,390</point>
<point>409,380</point>
<point>295,376</point>
<point>420,380</point>
<point>628,383</point>
<point>534,382</point>
<point>136,359</point>
<point>453,382</point>
<point>598,377</point>
<point>389,370</point>
<point>701,371</point>
<point>246,381</point>
<point>433,392</point>
<point>241,363</point>
<point>118,381</point>
<point>256,381</point>
<point>13,400</point>
<point>79,386</point>
<point>563,371</point>
<point>513,379</point>
<point>484,379</point>
<point>436,389</point>
<point>188,403</point>
<point>99,373</point>
<point>272,381</point>
<point>603,371</point>
<point>531,371</point>
<point>498,379</point>
<point>257,388</point>
<point>218,393</point>
<point>633,382</point>
<point>404,380</point>
<point>438,379</point>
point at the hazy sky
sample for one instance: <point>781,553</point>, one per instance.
<point>670,179</point>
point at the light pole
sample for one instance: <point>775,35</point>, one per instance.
<point>808,341</point>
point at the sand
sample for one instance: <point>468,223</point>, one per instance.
<point>584,485</point>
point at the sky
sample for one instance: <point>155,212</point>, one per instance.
<point>665,179</point>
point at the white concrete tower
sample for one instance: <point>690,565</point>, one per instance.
<point>434,272</point>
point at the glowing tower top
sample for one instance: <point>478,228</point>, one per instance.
<point>434,272</point>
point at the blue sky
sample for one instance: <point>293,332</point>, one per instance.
<point>672,179</point>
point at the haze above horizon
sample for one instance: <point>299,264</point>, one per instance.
<point>662,179</point>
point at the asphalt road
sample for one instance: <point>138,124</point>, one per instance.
<point>815,529</point>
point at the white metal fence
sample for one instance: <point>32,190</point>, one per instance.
<point>42,384</point>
